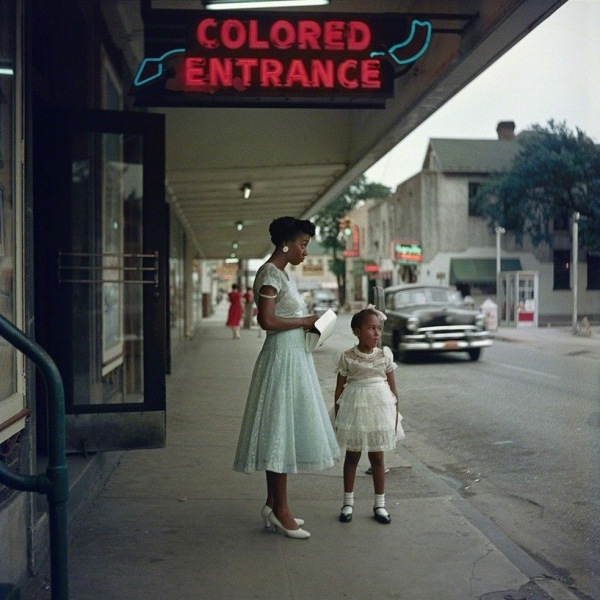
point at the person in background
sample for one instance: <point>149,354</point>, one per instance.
<point>285,428</point>
<point>248,308</point>
<point>234,316</point>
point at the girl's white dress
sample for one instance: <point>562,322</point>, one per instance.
<point>286,427</point>
<point>366,419</point>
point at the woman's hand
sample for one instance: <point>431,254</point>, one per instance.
<point>309,322</point>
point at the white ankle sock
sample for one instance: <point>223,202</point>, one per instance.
<point>379,501</point>
<point>348,503</point>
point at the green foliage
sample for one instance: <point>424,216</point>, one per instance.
<point>327,221</point>
<point>555,173</point>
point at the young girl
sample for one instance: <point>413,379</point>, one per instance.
<point>366,409</point>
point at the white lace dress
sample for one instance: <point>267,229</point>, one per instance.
<point>366,419</point>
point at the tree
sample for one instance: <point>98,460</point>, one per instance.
<point>555,173</point>
<point>328,223</point>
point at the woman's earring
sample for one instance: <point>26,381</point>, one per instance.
<point>285,249</point>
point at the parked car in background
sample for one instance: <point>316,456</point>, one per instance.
<point>321,300</point>
<point>429,318</point>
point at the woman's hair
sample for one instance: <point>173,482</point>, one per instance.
<point>234,286</point>
<point>359,317</point>
<point>287,229</point>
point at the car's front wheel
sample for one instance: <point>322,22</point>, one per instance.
<point>474,353</point>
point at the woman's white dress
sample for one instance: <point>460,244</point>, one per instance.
<point>286,427</point>
<point>366,418</point>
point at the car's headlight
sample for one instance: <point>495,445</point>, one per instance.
<point>480,320</point>
<point>412,323</point>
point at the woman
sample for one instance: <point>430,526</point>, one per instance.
<point>286,427</point>
<point>234,315</point>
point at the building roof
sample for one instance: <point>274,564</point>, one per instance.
<point>471,156</point>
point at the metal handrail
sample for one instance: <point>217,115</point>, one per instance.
<point>55,481</point>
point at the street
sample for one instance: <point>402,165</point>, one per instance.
<point>517,433</point>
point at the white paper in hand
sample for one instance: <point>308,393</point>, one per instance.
<point>325,326</point>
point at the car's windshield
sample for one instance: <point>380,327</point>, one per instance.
<point>423,296</point>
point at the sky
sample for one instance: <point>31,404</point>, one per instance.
<point>552,73</point>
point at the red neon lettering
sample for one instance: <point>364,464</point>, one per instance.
<point>343,78</point>
<point>359,35</point>
<point>297,74</point>
<point>253,42</point>
<point>270,73</point>
<point>233,34</point>
<point>195,72</point>
<point>369,74</point>
<point>333,35</point>
<point>220,72</point>
<point>285,27</point>
<point>202,33</point>
<point>246,65</point>
<point>309,33</point>
<point>322,73</point>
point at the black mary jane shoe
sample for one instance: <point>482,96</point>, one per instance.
<point>346,517</point>
<point>385,519</point>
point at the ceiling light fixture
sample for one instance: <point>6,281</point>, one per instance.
<point>235,245</point>
<point>239,225</point>
<point>246,189</point>
<point>241,4</point>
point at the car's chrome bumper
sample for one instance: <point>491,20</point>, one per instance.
<point>444,341</point>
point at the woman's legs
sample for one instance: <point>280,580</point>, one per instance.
<point>277,499</point>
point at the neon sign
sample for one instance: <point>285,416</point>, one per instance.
<point>407,252</point>
<point>355,250</point>
<point>297,59</point>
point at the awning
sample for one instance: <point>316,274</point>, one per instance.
<point>479,270</point>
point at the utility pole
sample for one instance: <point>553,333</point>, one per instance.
<point>499,232</point>
<point>575,253</point>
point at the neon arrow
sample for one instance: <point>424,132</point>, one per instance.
<point>160,69</point>
<point>413,47</point>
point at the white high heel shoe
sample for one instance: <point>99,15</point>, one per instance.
<point>297,534</point>
<point>267,510</point>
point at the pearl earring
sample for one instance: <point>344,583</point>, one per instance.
<point>285,249</point>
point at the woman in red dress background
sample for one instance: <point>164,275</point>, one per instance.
<point>234,316</point>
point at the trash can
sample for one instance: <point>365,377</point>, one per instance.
<point>490,314</point>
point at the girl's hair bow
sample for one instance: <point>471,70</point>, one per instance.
<point>382,316</point>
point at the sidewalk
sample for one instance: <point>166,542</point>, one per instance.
<point>179,523</point>
<point>558,340</point>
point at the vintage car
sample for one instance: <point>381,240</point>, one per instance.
<point>431,318</point>
<point>321,300</point>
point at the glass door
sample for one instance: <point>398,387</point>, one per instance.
<point>109,232</point>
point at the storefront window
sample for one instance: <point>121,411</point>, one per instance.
<point>8,263</point>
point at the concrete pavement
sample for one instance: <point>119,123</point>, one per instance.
<point>179,523</point>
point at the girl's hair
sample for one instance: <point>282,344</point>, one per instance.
<point>359,317</point>
<point>234,286</point>
<point>287,229</point>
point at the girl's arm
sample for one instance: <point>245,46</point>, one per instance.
<point>269,321</point>
<point>339,388</point>
<point>392,383</point>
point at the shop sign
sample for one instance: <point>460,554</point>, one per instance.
<point>371,268</point>
<point>407,253</point>
<point>313,268</point>
<point>268,58</point>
